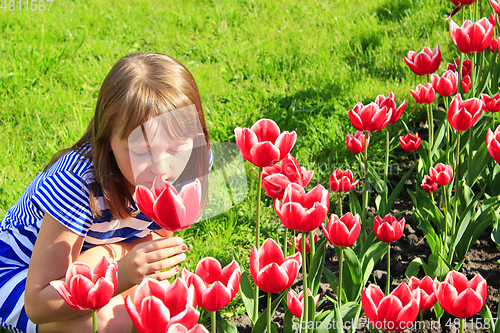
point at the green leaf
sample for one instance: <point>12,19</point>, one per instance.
<point>438,310</point>
<point>288,321</point>
<point>247,292</point>
<point>438,137</point>
<point>397,191</point>
<point>352,263</point>
<point>487,317</point>
<point>479,162</point>
<point>332,278</point>
<point>436,266</point>
<point>354,203</point>
<point>414,267</point>
<point>261,325</point>
<point>225,326</point>
<point>316,268</point>
<point>375,180</point>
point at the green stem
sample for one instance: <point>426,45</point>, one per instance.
<point>285,247</point>
<point>341,269</point>
<point>365,185</point>
<point>257,218</point>
<point>304,283</point>
<point>94,321</point>
<point>386,167</point>
<point>341,198</point>
<point>269,312</point>
<point>388,282</point>
<point>457,177</point>
<point>312,245</point>
<point>257,245</point>
<point>430,119</point>
<point>213,316</point>
<point>447,129</point>
<point>445,196</point>
<point>461,325</point>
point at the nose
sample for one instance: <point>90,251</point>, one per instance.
<point>160,167</point>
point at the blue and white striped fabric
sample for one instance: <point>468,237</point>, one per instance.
<point>62,192</point>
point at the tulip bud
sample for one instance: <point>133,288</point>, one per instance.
<point>342,181</point>
<point>429,185</point>
<point>424,63</point>
<point>445,85</point>
<point>493,143</point>
<point>388,229</point>
<point>441,174</point>
<point>424,94</point>
<point>356,143</point>
<point>410,142</point>
<point>462,115</point>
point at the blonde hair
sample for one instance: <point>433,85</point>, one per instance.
<point>138,88</point>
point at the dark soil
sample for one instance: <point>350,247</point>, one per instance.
<point>482,259</point>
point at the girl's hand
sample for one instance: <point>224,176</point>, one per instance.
<point>150,259</point>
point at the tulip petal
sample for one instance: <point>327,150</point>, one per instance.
<point>266,130</point>
<point>134,314</point>
<point>209,270</point>
<point>187,318</point>
<point>60,286</point>
<point>272,279</point>
<point>155,315</point>
<point>285,143</point>
<point>144,200</point>
<point>245,140</point>
<point>101,294</point>
<point>467,304</point>
<point>265,154</point>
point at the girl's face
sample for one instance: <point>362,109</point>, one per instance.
<point>150,152</point>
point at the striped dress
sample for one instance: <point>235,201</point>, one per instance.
<point>62,191</point>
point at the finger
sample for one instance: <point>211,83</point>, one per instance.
<point>162,243</point>
<point>165,264</point>
<point>162,276</point>
<point>164,253</point>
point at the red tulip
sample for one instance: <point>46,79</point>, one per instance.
<point>491,104</point>
<point>369,118</point>
<point>391,105</point>
<point>472,37</point>
<point>263,144</point>
<point>388,229</point>
<point>424,94</point>
<point>342,231</point>
<point>156,307</point>
<point>462,115</point>
<point>214,286</point>
<point>410,142</point>
<point>87,288</point>
<point>425,62</point>
<point>494,45</point>
<point>441,174</point>
<point>298,243</point>
<point>493,143</point>
<point>466,84</point>
<point>356,143</point>
<point>395,312</point>
<point>495,5</point>
<point>277,177</point>
<point>493,19</point>
<point>270,270</point>
<point>429,185</point>
<point>425,290</point>
<point>170,210</point>
<point>303,211</point>
<point>178,328</point>
<point>447,84</point>
<point>295,302</point>
<point>460,297</point>
<point>342,181</point>
<point>466,69</point>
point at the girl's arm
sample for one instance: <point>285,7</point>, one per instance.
<point>57,247</point>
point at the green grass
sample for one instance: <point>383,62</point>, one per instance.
<point>301,63</point>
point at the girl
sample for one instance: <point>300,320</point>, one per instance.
<point>82,207</point>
